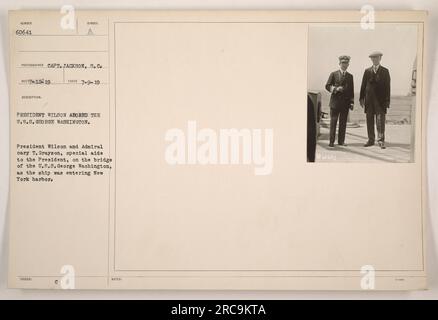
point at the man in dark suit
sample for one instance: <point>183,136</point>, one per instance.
<point>375,94</point>
<point>340,85</point>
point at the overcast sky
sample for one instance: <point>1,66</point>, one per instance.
<point>398,43</point>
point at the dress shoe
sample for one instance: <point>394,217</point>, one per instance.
<point>331,145</point>
<point>369,144</point>
<point>343,144</point>
<point>382,145</point>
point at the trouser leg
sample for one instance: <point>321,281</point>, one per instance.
<point>380,123</point>
<point>342,125</point>
<point>370,127</point>
<point>334,114</point>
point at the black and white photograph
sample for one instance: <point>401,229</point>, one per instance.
<point>361,93</point>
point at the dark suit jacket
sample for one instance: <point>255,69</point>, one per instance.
<point>341,100</point>
<point>376,89</point>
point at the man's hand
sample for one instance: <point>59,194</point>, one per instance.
<point>352,106</point>
<point>340,89</point>
<point>362,102</point>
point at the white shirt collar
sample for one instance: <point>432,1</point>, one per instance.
<point>375,68</point>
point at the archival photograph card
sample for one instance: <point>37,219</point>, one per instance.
<point>243,150</point>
